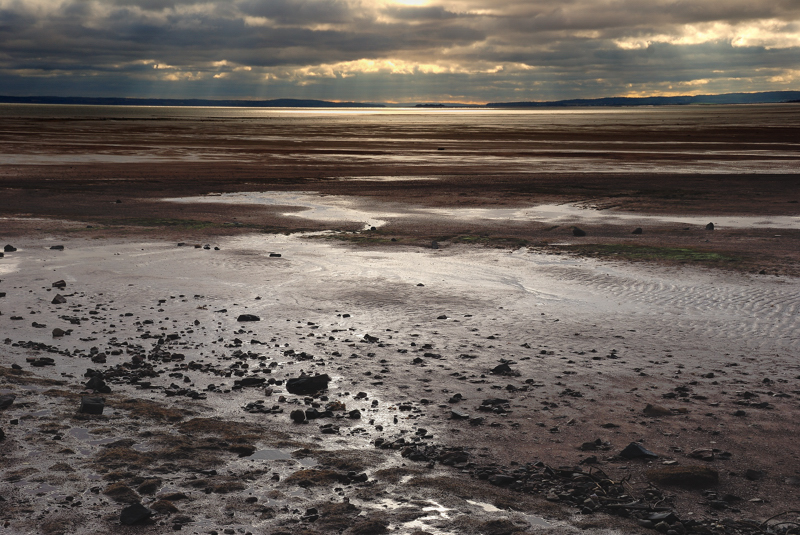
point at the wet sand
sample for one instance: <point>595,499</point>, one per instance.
<point>409,335</point>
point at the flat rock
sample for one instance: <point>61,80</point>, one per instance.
<point>248,317</point>
<point>634,450</point>
<point>307,385</point>
<point>685,476</point>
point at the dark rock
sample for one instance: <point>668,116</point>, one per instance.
<point>149,486</point>
<point>97,384</point>
<point>458,415</point>
<point>354,414</point>
<point>634,450</point>
<point>710,226</point>
<point>656,410</point>
<point>755,475</point>
<point>57,248</point>
<point>442,317</point>
<point>685,476</point>
<point>2,434</point>
<point>578,232</point>
<point>9,248</point>
<point>298,416</point>
<point>59,284</point>
<point>501,480</point>
<point>58,333</point>
<point>274,255</point>
<point>134,513</point>
<point>307,385</point>
<point>6,401</point>
<point>59,300</point>
<point>502,369</point>
<point>637,230</point>
<point>252,381</point>
<point>248,317</point>
<point>92,405</point>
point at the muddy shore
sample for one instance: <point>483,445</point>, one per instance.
<point>486,371</point>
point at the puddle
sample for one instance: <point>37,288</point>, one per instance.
<point>280,455</point>
<point>339,208</point>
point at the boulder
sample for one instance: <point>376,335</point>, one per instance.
<point>9,248</point>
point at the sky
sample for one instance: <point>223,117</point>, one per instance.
<point>397,51</point>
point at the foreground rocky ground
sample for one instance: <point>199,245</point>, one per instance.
<point>460,404</point>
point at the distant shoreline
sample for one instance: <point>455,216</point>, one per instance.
<point>768,97</point>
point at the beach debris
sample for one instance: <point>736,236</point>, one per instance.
<point>6,401</point>
<point>92,405</point>
<point>248,317</point>
<point>710,226</point>
<point>578,232</point>
<point>134,514</point>
<point>637,230</point>
<point>59,300</point>
<point>307,385</point>
<point>635,450</point>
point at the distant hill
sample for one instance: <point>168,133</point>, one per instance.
<point>106,101</point>
<point>728,98</point>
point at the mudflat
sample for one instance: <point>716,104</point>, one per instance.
<point>488,366</point>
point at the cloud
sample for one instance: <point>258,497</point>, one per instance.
<point>407,50</point>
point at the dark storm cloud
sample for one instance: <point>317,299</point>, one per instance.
<point>351,49</point>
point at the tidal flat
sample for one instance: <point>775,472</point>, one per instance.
<point>489,369</point>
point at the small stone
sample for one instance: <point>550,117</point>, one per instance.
<point>637,230</point>
<point>58,333</point>
<point>9,248</point>
<point>578,232</point>
<point>59,284</point>
<point>57,248</point>
<point>755,475</point>
<point>59,300</point>
<point>298,416</point>
<point>710,226</point>
<point>6,401</point>
<point>656,410</point>
<point>248,317</point>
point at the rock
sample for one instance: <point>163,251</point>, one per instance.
<point>248,317</point>
<point>2,434</point>
<point>442,317</point>
<point>57,248</point>
<point>6,401</point>
<point>434,245</point>
<point>354,414</point>
<point>58,333</point>
<point>501,480</point>
<point>458,415</point>
<point>9,248</point>
<point>578,232</point>
<point>307,385</point>
<point>251,381</point>
<point>685,476</point>
<point>502,369</point>
<point>755,475</point>
<point>97,384</point>
<point>710,226</point>
<point>59,300</point>
<point>637,230</point>
<point>704,454</point>
<point>59,284</point>
<point>274,255</point>
<point>634,450</point>
<point>134,513</point>
<point>656,410</point>
<point>92,405</point>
